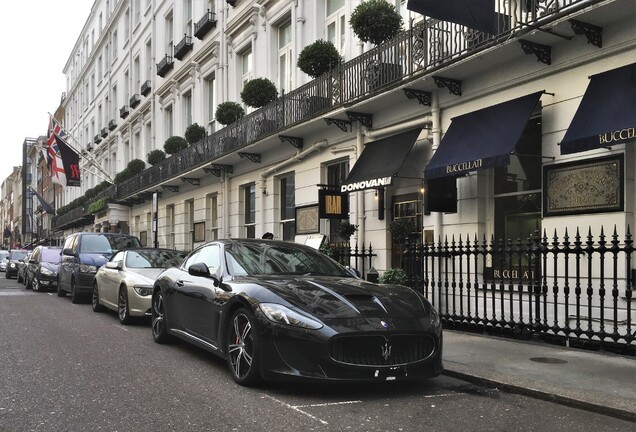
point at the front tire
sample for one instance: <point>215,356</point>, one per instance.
<point>97,307</point>
<point>60,291</point>
<point>242,348</point>
<point>35,284</point>
<point>159,327</point>
<point>123,311</point>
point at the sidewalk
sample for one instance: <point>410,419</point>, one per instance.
<point>600,382</point>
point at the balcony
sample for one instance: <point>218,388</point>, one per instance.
<point>165,65</point>
<point>124,111</point>
<point>89,146</point>
<point>112,125</point>
<point>204,25</point>
<point>97,139</point>
<point>146,87</point>
<point>183,47</point>
<point>104,132</point>
<point>135,100</point>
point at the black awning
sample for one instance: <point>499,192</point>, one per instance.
<point>607,113</point>
<point>380,161</point>
<point>481,139</point>
<point>476,14</point>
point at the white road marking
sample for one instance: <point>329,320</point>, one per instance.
<point>121,327</point>
<point>295,408</point>
<point>328,404</point>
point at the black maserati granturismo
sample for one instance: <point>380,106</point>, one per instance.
<point>281,310</point>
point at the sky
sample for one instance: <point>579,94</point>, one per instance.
<point>38,36</point>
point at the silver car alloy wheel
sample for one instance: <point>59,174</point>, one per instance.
<point>241,351</point>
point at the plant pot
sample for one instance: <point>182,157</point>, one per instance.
<point>380,74</point>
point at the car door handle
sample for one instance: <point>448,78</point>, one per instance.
<point>179,283</point>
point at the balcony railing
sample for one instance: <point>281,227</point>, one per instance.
<point>104,132</point>
<point>112,124</point>
<point>72,219</point>
<point>183,47</point>
<point>416,52</point>
<point>97,139</point>
<point>165,65</point>
<point>135,100</point>
<point>124,111</point>
<point>204,25</point>
<point>146,87</point>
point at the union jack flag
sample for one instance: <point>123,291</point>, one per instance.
<point>52,152</point>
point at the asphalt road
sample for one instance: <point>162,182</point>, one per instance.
<point>65,368</point>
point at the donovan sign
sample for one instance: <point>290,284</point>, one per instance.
<point>366,184</point>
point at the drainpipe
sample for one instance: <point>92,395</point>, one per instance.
<point>360,210</point>
<point>425,121</point>
<point>437,133</point>
<point>299,156</point>
<point>225,179</point>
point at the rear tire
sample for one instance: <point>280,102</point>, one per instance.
<point>60,291</point>
<point>75,297</point>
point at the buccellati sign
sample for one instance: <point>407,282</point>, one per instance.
<point>588,186</point>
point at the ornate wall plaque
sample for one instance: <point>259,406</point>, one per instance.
<point>307,220</point>
<point>588,186</point>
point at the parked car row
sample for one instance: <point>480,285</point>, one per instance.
<point>271,309</point>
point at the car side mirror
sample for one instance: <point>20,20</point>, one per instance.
<point>67,251</point>
<point>202,270</point>
<point>32,261</point>
<point>114,265</point>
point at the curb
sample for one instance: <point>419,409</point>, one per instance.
<point>544,395</point>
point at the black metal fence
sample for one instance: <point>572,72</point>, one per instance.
<point>577,289</point>
<point>360,259</point>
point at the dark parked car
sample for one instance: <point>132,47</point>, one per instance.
<point>22,266</point>
<point>84,253</point>
<point>42,268</point>
<point>13,260</point>
<point>280,310</point>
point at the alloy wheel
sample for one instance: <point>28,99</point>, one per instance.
<point>158,325</point>
<point>122,306</point>
<point>35,284</point>
<point>241,347</point>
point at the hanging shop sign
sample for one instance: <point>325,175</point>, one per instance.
<point>333,204</point>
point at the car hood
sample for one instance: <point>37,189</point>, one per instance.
<point>96,260</point>
<point>51,266</point>
<point>145,275</point>
<point>333,297</point>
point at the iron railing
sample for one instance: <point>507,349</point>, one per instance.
<point>574,290</point>
<point>353,257</point>
<point>422,49</point>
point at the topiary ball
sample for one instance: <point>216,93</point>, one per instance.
<point>228,112</point>
<point>258,92</point>
<point>375,21</point>
<point>318,58</point>
<point>174,144</point>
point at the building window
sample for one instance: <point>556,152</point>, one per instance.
<point>336,175</point>
<point>187,14</point>
<point>249,210</point>
<point>189,222</point>
<point>187,110</point>
<point>212,216</point>
<point>149,64</point>
<point>211,99</point>
<point>115,45</point>
<point>246,67</point>
<point>168,121</point>
<point>170,227</point>
<point>288,206</point>
<point>285,57</point>
<point>169,34</point>
<point>336,24</point>
<point>518,188</point>
<point>136,75</point>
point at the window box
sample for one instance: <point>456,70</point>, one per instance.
<point>165,65</point>
<point>124,111</point>
<point>204,25</point>
<point>183,47</point>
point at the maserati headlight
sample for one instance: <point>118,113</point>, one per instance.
<point>283,315</point>
<point>143,290</point>
<point>85,268</point>
<point>46,272</point>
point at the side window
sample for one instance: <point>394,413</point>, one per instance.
<point>191,260</point>
<point>36,254</point>
<point>118,257</point>
<point>211,256</point>
<point>68,243</point>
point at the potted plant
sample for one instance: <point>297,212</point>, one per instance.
<point>257,93</point>
<point>395,276</point>
<point>174,144</point>
<point>194,133</point>
<point>155,156</point>
<point>315,60</point>
<point>228,113</point>
<point>377,21</point>
<point>345,230</point>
